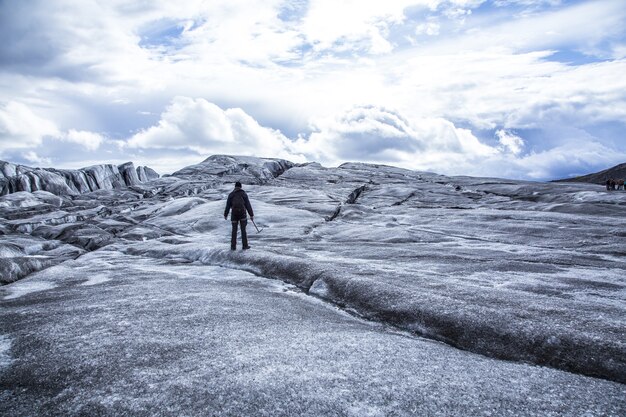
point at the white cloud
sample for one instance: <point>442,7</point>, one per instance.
<point>79,41</point>
<point>353,22</point>
<point>374,134</point>
<point>496,89</point>
<point>203,127</point>
<point>32,157</point>
<point>574,158</point>
<point>364,133</point>
<point>431,27</point>
<point>378,135</point>
<point>553,28</point>
<point>509,142</point>
<point>236,31</point>
<point>88,140</point>
<point>21,128</point>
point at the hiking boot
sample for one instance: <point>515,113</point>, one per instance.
<point>246,247</point>
<point>233,248</point>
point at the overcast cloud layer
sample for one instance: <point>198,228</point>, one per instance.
<point>509,88</point>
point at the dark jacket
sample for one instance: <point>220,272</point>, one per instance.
<point>239,202</point>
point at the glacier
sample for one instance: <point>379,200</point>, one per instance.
<point>371,290</point>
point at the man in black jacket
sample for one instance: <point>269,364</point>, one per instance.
<point>238,201</point>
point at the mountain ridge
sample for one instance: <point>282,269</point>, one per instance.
<point>600,177</point>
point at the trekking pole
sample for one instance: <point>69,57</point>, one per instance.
<point>255,226</point>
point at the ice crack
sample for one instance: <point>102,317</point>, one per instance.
<point>352,199</point>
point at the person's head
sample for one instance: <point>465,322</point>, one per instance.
<point>237,184</point>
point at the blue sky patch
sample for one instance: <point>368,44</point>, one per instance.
<point>164,32</point>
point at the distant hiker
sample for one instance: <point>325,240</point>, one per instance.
<point>612,184</point>
<point>620,184</point>
<point>238,201</point>
<point>608,184</point>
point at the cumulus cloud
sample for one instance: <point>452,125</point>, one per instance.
<point>32,157</point>
<point>372,133</point>
<point>363,133</point>
<point>89,140</point>
<point>577,157</point>
<point>20,127</point>
<point>366,133</point>
<point>380,135</point>
<point>205,128</point>
<point>24,133</point>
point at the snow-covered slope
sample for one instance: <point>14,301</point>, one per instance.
<point>529,272</point>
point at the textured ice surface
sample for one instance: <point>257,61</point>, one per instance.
<point>5,347</point>
<point>19,178</point>
<point>96,279</point>
<point>26,287</point>
<point>163,337</point>
<point>20,255</point>
<point>529,272</point>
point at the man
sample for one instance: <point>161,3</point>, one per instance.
<point>238,201</point>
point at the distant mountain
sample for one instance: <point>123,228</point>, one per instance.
<point>618,171</point>
<point>14,178</point>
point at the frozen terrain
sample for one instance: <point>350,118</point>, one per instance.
<point>15,178</point>
<point>371,290</point>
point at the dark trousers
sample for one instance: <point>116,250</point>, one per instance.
<point>244,235</point>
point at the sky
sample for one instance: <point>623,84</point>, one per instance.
<point>522,89</point>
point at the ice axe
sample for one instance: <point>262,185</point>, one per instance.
<point>255,226</point>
